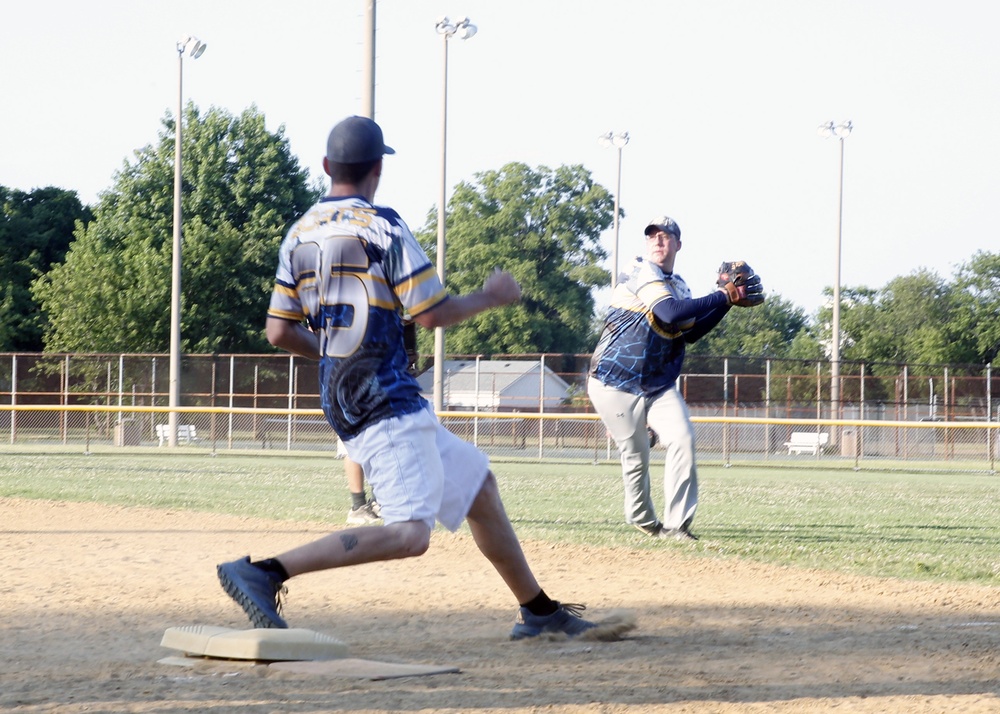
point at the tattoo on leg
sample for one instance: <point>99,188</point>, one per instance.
<point>349,541</point>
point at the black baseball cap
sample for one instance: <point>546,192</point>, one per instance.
<point>356,140</point>
<point>665,224</point>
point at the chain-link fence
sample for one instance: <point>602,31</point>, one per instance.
<point>517,406</point>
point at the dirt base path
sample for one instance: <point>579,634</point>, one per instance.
<point>87,591</point>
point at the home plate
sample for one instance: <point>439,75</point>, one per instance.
<point>267,645</point>
<point>362,668</point>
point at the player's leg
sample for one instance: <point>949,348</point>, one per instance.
<point>256,586</point>
<point>624,416</point>
<point>669,417</point>
<point>363,510</point>
<point>471,494</point>
<point>495,537</point>
<point>402,463</point>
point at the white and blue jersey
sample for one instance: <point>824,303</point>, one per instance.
<point>640,353</point>
<point>352,270</point>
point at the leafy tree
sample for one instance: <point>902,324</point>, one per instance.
<point>764,331</point>
<point>911,319</point>
<point>544,227</point>
<point>978,287</point>
<point>241,189</point>
<point>36,228</point>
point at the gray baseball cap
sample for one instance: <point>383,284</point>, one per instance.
<point>665,224</point>
<point>356,140</point>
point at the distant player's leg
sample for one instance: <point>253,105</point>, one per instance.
<point>624,416</point>
<point>363,510</point>
<point>669,417</point>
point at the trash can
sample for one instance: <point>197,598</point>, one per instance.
<point>127,433</point>
<point>849,442</point>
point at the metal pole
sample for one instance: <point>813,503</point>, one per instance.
<point>835,396</point>
<point>614,251</point>
<point>369,83</point>
<point>174,398</point>
<point>442,197</point>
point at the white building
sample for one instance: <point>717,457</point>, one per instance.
<point>498,385</point>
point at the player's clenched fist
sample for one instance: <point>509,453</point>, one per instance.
<point>502,287</point>
<point>740,284</point>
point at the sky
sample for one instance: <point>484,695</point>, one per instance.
<point>721,99</point>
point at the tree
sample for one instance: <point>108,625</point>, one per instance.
<point>764,331</point>
<point>36,228</point>
<point>544,227</point>
<point>241,189</point>
<point>978,286</point>
<point>911,319</point>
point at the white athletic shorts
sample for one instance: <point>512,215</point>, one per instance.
<point>418,470</point>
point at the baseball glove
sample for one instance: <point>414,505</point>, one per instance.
<point>740,284</point>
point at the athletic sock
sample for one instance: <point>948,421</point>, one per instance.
<point>358,500</point>
<point>541,605</point>
<point>272,565</point>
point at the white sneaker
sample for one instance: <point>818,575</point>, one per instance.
<point>366,515</point>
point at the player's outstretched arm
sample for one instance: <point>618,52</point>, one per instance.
<point>499,289</point>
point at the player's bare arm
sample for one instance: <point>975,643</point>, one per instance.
<point>292,337</point>
<point>499,289</point>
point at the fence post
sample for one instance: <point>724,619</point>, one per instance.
<point>819,390</point>
<point>475,407</point>
<point>859,446</point>
<point>990,435</point>
<point>725,410</point>
<point>989,411</point>
<point>541,404</point>
<point>291,398</point>
<point>64,419</point>
<point>121,384</point>
<point>13,398</point>
<point>767,407</point>
<point>232,388</point>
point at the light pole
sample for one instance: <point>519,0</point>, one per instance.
<point>195,48</point>
<point>369,74</point>
<point>618,141</point>
<point>463,29</point>
<point>840,131</point>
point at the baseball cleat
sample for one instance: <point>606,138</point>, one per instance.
<point>256,591</point>
<point>653,531</point>
<point>660,531</point>
<point>681,533</point>
<point>566,620</point>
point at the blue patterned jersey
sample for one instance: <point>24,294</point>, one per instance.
<point>636,352</point>
<point>352,270</point>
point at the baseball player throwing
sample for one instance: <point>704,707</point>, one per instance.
<point>634,370</point>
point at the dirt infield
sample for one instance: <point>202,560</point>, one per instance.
<point>87,591</point>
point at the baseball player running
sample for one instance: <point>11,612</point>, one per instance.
<point>351,269</point>
<point>634,370</point>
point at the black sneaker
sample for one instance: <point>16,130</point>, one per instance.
<point>256,591</point>
<point>566,620</point>
<point>681,533</point>
<point>659,531</point>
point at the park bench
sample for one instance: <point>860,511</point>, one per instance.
<point>807,442</point>
<point>186,433</point>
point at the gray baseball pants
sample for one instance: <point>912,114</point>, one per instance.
<point>626,417</point>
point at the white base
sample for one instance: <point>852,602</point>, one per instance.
<point>270,645</point>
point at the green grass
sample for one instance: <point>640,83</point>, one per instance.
<point>943,527</point>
